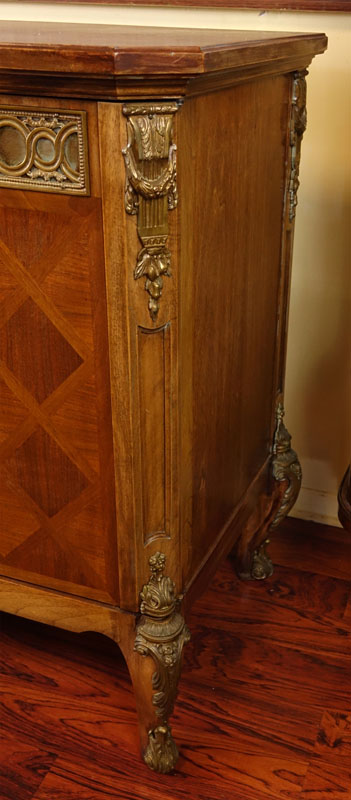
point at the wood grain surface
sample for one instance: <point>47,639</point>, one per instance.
<point>264,711</point>
<point>119,49</point>
<point>229,337</point>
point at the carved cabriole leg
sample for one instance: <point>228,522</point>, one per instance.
<point>252,560</point>
<point>155,665</point>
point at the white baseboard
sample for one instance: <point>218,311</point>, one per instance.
<point>317,506</point>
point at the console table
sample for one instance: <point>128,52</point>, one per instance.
<point>148,182</point>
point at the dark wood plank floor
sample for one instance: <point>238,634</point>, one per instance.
<point>264,709</point>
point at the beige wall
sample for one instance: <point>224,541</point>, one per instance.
<point>318,386</point>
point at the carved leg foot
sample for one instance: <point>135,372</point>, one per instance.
<point>161,753</point>
<point>261,564</point>
<point>155,665</point>
<point>252,561</point>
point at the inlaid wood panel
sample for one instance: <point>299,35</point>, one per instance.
<point>57,518</point>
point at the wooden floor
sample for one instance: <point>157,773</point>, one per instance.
<point>264,709</point>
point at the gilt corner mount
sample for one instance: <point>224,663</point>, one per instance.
<point>297,129</point>
<point>151,190</point>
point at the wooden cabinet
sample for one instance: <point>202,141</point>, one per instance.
<point>148,185</point>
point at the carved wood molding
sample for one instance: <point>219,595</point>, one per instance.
<point>155,390</point>
<point>150,162</point>
<point>161,634</point>
<point>44,150</point>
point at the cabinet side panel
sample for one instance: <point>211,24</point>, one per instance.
<point>232,147</point>
<point>57,514</point>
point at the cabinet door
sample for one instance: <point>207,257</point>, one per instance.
<point>57,509</point>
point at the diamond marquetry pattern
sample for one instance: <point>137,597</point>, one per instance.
<point>52,520</point>
<point>36,352</point>
<point>44,237</point>
<point>12,411</point>
<point>50,488</point>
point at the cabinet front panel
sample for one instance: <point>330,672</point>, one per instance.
<point>57,516</point>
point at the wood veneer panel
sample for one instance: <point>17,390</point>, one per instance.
<point>57,517</point>
<point>229,293</point>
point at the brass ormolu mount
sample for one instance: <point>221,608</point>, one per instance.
<point>161,634</point>
<point>285,468</point>
<point>297,129</point>
<point>151,191</point>
<point>45,151</point>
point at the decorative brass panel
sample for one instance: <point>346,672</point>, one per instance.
<point>161,634</point>
<point>44,150</point>
<point>297,129</point>
<point>150,161</point>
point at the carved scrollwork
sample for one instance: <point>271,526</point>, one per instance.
<point>151,190</point>
<point>44,150</point>
<point>286,467</point>
<point>297,129</point>
<point>161,634</point>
